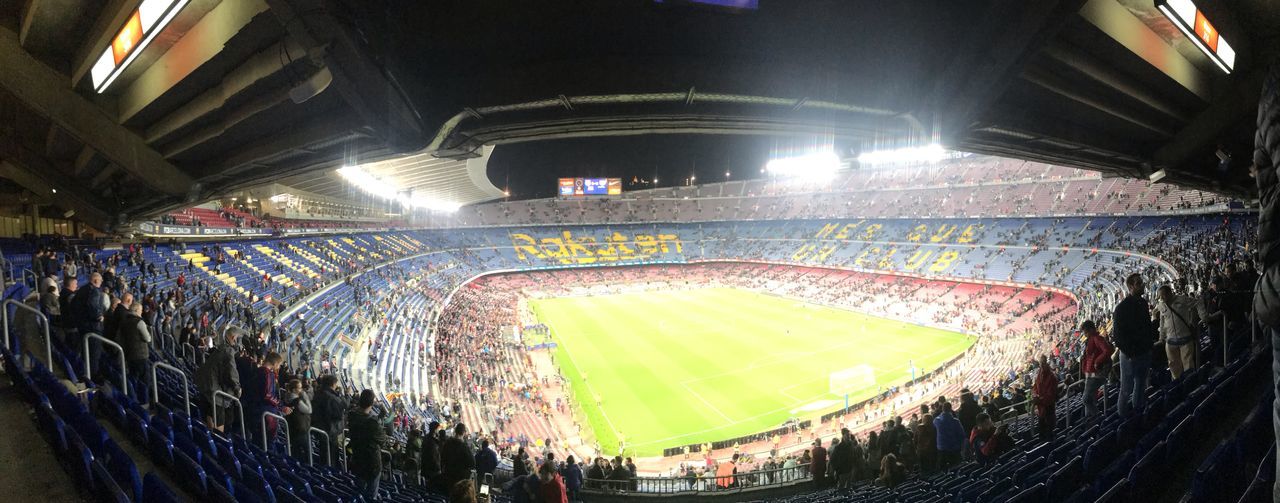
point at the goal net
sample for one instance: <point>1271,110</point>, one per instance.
<point>852,380</point>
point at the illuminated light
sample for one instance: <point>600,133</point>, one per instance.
<point>127,39</point>
<point>927,153</point>
<point>815,166</point>
<point>370,184</point>
<point>142,27</point>
<point>1193,24</point>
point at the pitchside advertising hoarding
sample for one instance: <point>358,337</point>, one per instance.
<point>575,187</point>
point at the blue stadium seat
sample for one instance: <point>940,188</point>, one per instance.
<point>214,474</point>
<point>105,489</point>
<point>1066,480</point>
<point>220,494</point>
<point>122,469</point>
<point>78,460</point>
<point>1145,475</point>
<point>155,490</point>
<point>159,448</point>
<point>245,495</point>
<point>1032,494</point>
<point>189,473</point>
<point>136,428</point>
<point>1118,493</point>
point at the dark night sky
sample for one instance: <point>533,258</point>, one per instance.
<point>530,169</point>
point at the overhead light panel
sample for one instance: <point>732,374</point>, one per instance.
<point>925,154</point>
<point>1194,25</point>
<point>138,31</point>
<point>370,184</point>
<point>817,166</point>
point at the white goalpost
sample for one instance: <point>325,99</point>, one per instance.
<point>852,380</point>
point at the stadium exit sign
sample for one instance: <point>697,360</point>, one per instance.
<point>1191,20</point>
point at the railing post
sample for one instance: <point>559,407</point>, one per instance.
<point>328,452</point>
<point>239,408</point>
<point>48,342</point>
<point>186,389</point>
<point>1225,359</point>
<point>88,368</point>
<point>266,442</point>
<point>35,279</point>
<point>186,345</point>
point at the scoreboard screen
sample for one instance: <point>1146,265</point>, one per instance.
<point>572,187</point>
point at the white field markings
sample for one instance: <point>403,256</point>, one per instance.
<point>578,369</point>
<point>740,421</point>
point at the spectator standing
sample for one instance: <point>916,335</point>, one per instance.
<point>551,486</point>
<point>892,472</point>
<point>818,466</point>
<point>299,400</point>
<point>456,458</point>
<point>328,414</point>
<point>1044,394</point>
<point>430,461</point>
<point>1134,335</point>
<point>135,339</point>
<point>1178,320</point>
<point>486,460</point>
<point>926,439</point>
<point>218,374</point>
<point>366,444</point>
<point>1096,365</point>
<point>572,475</point>
<point>261,397</point>
<point>950,437</point>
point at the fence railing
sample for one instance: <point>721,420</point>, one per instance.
<point>48,342</point>
<point>239,408</point>
<point>311,448</point>
<point>186,388</point>
<point>706,483</point>
<point>266,441</point>
<point>88,367</point>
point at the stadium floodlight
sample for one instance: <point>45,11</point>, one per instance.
<point>926,154</point>
<point>1195,26</point>
<point>145,23</point>
<point>366,182</point>
<point>816,166</point>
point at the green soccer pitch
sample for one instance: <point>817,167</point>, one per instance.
<point>686,367</point>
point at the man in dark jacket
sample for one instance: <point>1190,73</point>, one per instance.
<point>366,445</point>
<point>969,409</point>
<point>456,458</point>
<point>818,467</point>
<point>112,323</point>
<point>135,338</point>
<point>89,306</point>
<point>1266,163</point>
<point>218,373</point>
<point>431,453</point>
<point>486,460</point>
<point>328,414</point>
<point>1134,335</point>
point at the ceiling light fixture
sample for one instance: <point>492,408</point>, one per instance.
<point>138,31</point>
<point>1195,26</point>
<point>370,184</point>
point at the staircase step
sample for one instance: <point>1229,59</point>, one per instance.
<point>31,470</point>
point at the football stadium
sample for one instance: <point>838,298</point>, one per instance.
<point>797,251</point>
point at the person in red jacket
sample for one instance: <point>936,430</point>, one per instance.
<point>1096,364</point>
<point>818,467</point>
<point>551,486</point>
<point>1045,394</point>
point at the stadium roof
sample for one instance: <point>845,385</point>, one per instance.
<point>234,94</point>
<point>456,181</point>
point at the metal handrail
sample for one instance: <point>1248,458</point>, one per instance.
<point>88,370</point>
<point>288,444</point>
<point>155,389</point>
<point>48,341</point>
<point>239,408</point>
<point>186,345</point>
<point>311,449</point>
<point>26,271</point>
